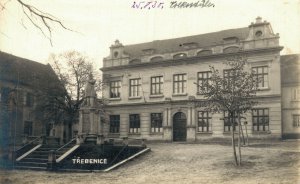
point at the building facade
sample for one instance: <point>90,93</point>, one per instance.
<point>152,87</point>
<point>21,80</point>
<point>290,82</point>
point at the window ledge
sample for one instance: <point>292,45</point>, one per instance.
<point>114,99</point>
<point>261,132</point>
<point>134,97</point>
<point>156,96</point>
<point>209,133</point>
<point>229,133</point>
<point>134,133</point>
<point>156,133</point>
<point>263,89</point>
<point>180,94</point>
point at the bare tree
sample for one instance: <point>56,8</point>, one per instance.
<point>61,102</point>
<point>234,92</point>
<point>41,20</point>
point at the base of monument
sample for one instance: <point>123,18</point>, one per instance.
<point>102,157</point>
<point>52,140</point>
<point>91,139</point>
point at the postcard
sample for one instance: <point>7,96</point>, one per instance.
<point>150,91</point>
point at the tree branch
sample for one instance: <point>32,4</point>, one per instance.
<point>45,18</point>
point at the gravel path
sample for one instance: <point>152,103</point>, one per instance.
<point>263,163</point>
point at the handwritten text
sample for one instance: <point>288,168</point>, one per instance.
<point>148,5</point>
<point>198,4</point>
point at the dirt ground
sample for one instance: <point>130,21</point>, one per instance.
<point>263,163</point>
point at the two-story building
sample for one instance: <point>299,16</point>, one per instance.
<point>152,87</point>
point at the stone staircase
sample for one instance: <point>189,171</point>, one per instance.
<point>38,159</point>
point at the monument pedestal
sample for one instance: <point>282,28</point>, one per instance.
<point>91,139</point>
<point>89,117</point>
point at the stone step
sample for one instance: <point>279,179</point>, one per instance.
<point>41,152</point>
<point>48,148</point>
<point>39,160</point>
<point>31,168</point>
<point>31,164</point>
<point>33,154</point>
<point>37,156</point>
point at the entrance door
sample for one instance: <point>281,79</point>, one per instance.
<point>179,127</point>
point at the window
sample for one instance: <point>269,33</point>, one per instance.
<point>229,76</point>
<point>261,76</point>
<point>134,123</point>
<point>114,123</point>
<point>295,93</point>
<point>260,118</point>
<point>203,80</point>
<point>230,40</point>
<point>204,119</point>
<point>156,58</point>
<point>204,53</point>
<point>156,122</point>
<point>29,100</point>
<point>296,120</point>
<point>115,87</point>
<point>28,128</point>
<point>231,49</point>
<point>179,83</point>
<point>180,55</point>
<point>116,53</point>
<point>135,87</point>
<point>157,85</point>
<point>227,122</point>
<point>258,33</point>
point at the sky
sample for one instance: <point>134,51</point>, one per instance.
<point>98,23</point>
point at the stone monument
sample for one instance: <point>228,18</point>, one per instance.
<point>90,128</point>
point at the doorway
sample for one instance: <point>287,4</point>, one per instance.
<point>179,127</point>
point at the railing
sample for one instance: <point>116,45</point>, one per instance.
<point>38,138</point>
<point>27,146</point>
<point>116,157</point>
<point>128,141</point>
<point>72,140</point>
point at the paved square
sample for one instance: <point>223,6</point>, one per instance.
<point>271,162</point>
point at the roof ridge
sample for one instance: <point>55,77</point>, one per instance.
<point>21,58</point>
<point>183,37</point>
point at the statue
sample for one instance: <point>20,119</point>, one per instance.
<point>90,92</point>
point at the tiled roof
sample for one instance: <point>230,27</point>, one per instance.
<point>16,69</point>
<point>176,44</point>
<point>290,69</point>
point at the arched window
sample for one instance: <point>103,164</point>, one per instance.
<point>180,55</point>
<point>231,49</point>
<point>204,53</point>
<point>135,61</point>
<point>156,58</point>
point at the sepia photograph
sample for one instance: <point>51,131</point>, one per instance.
<point>150,91</point>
